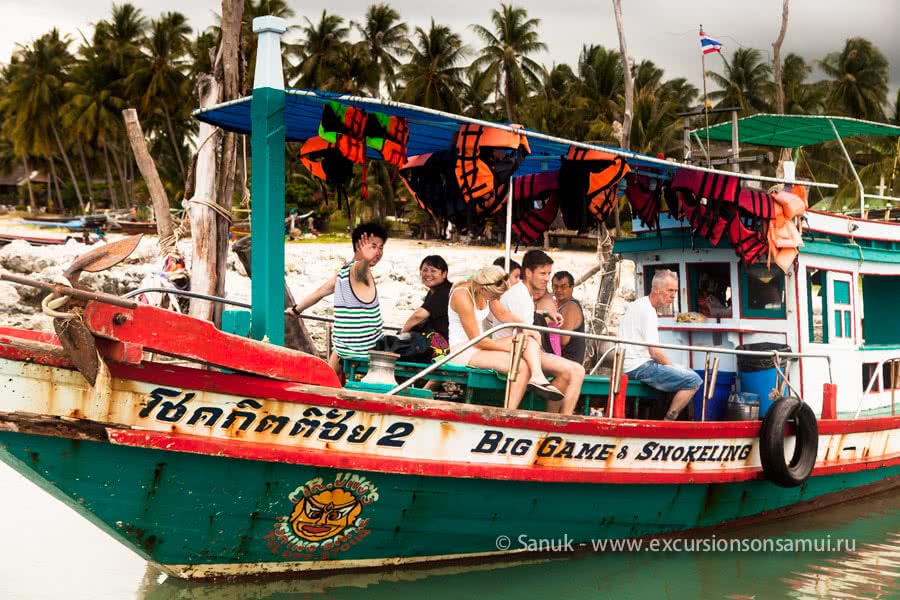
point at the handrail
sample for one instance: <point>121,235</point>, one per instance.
<point>221,300</point>
<point>872,380</point>
<point>603,338</point>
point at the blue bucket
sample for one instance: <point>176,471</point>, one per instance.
<point>717,406</point>
<point>760,383</point>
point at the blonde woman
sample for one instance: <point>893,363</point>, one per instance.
<point>468,308</point>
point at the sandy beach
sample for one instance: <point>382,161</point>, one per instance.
<point>307,264</point>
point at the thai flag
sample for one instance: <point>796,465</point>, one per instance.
<point>709,45</point>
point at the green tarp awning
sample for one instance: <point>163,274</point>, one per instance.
<point>792,131</point>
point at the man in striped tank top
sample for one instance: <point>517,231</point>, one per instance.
<point>357,313</point>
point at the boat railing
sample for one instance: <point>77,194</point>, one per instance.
<point>219,299</point>
<point>878,370</point>
<point>777,356</point>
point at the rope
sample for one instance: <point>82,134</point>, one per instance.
<point>50,304</point>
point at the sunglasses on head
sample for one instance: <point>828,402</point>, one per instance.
<point>503,279</point>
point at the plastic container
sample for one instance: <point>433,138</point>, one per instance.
<point>717,406</point>
<point>760,383</point>
<point>757,374</point>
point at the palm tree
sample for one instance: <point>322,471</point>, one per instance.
<point>159,77</point>
<point>93,112</point>
<point>319,52</point>
<point>746,82</point>
<point>801,98</point>
<point>432,77</point>
<point>34,96</point>
<point>505,55</point>
<point>602,82</point>
<point>858,86</point>
<point>384,38</point>
<point>553,108</point>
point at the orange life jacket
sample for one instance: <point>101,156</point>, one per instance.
<point>588,181</point>
<point>486,158</point>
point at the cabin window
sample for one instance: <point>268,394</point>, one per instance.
<point>870,370</point>
<point>890,380</point>
<point>880,325</point>
<point>649,272</point>
<point>710,289</point>
<point>842,311</point>
<point>817,317</point>
<point>762,292</point>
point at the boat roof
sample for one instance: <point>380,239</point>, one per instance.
<point>429,130</point>
<point>793,131</point>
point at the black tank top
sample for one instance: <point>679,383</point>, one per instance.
<point>575,349</point>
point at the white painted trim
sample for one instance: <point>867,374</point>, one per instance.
<point>268,52</point>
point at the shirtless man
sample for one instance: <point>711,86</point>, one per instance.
<point>357,312</point>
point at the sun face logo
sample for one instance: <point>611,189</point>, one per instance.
<point>327,518</point>
<point>325,515</point>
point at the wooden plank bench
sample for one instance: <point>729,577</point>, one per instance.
<point>485,386</point>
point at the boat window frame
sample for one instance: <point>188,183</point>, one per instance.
<point>810,315</point>
<point>692,285</point>
<point>761,313</point>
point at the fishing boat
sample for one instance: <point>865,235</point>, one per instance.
<point>6,238</point>
<point>251,459</point>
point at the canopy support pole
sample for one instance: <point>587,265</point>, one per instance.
<point>509,211</point>
<point>859,185</point>
<point>267,139</point>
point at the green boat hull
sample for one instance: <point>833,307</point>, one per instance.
<point>232,515</point>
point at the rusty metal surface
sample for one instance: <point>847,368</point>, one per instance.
<point>102,258</point>
<point>64,290</point>
<point>80,346</point>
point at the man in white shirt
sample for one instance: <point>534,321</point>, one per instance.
<point>649,364</point>
<point>517,305</point>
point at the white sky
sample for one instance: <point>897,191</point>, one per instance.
<point>664,31</point>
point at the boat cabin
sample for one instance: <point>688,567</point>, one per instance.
<point>836,300</point>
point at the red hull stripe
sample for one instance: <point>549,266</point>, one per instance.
<point>260,387</point>
<point>319,458</point>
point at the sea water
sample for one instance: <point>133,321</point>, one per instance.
<point>48,551</point>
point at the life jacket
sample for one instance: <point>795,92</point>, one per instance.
<point>431,180</point>
<point>535,204</point>
<point>486,158</point>
<point>325,161</point>
<point>389,136</point>
<point>588,181</point>
<point>706,217</point>
<point>783,235</point>
<point>724,188</point>
<point>748,243</point>
<point>345,126</point>
<point>645,195</point>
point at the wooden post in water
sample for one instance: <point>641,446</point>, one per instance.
<point>267,186</point>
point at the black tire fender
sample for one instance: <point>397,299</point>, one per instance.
<point>771,442</point>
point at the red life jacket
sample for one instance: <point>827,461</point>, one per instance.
<point>588,181</point>
<point>535,204</point>
<point>345,126</point>
<point>389,136</point>
<point>645,196</point>
<point>749,244</point>
<point>724,188</point>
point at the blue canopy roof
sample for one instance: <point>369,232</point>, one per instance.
<point>432,131</point>
<point>429,130</point>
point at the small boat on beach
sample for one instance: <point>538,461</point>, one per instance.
<point>251,459</point>
<point>6,238</point>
